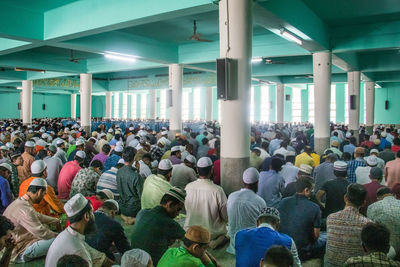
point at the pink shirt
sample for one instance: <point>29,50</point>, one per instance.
<point>392,172</point>
<point>67,175</point>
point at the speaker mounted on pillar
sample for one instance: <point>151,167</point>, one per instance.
<point>227,79</point>
<point>353,102</point>
<point>169,98</point>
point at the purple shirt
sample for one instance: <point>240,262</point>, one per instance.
<point>101,156</point>
<point>175,160</point>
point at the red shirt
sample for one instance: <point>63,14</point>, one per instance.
<point>67,175</point>
<point>217,172</point>
<point>371,188</point>
<point>96,204</point>
<point>395,148</point>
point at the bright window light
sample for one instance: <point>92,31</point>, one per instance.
<point>291,37</point>
<point>128,58</point>
<point>256,60</point>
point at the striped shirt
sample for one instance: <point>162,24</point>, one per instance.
<point>375,259</point>
<point>344,236</point>
<point>108,180</point>
<point>351,168</point>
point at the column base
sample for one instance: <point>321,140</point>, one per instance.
<point>320,144</point>
<point>356,135</point>
<point>172,133</point>
<point>232,173</point>
<point>369,129</point>
<point>26,123</point>
<point>87,130</point>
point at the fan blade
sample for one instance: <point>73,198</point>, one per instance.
<point>203,40</point>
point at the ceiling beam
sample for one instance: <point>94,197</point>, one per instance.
<point>97,16</point>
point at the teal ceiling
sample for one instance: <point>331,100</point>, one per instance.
<point>37,5</point>
<point>362,35</point>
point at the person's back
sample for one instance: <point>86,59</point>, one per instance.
<point>387,155</point>
<point>108,180</point>
<point>386,211</point>
<point>271,186</point>
<point>182,175</point>
<point>392,171</point>
<point>154,187</point>
<point>324,172</point>
<point>54,166</point>
<point>344,228</point>
<point>130,187</point>
<point>67,175</point>
<point>251,244</point>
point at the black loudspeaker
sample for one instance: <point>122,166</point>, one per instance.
<point>169,98</point>
<point>352,101</point>
<point>19,106</point>
<point>44,106</point>
<point>287,97</point>
<point>226,78</point>
<point>387,104</point>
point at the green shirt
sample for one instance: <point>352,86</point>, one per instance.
<point>154,231</point>
<point>180,257</point>
<point>70,149</point>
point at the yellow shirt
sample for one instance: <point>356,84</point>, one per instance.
<point>316,159</point>
<point>304,158</point>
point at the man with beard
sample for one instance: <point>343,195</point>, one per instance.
<point>32,233</point>
<point>71,241</point>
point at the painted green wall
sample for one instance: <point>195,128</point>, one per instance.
<point>391,115</point>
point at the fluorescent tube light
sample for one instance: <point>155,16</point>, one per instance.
<point>19,87</point>
<point>120,57</point>
<point>256,59</point>
<point>291,37</point>
<point>28,69</point>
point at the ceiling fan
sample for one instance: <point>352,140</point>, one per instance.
<point>270,61</point>
<point>304,77</point>
<point>72,58</point>
<point>196,36</point>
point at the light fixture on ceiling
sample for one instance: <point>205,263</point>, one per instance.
<point>19,87</point>
<point>28,69</point>
<point>118,56</point>
<point>291,36</point>
<point>256,59</point>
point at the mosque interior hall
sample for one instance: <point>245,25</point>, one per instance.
<point>236,66</point>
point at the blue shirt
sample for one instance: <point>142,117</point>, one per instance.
<point>274,145</point>
<point>112,161</point>
<point>299,217</point>
<point>251,244</point>
<point>6,196</point>
<point>351,168</point>
<point>349,148</point>
<point>270,187</point>
<point>383,143</point>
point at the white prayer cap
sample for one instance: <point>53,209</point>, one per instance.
<point>39,182</point>
<point>133,143</point>
<point>306,168</point>
<point>101,135</point>
<point>191,159</point>
<point>160,141</point>
<point>7,166</point>
<point>383,134</point>
<point>108,193</point>
<point>29,144</point>
<point>204,162</point>
<point>121,161</point>
<point>118,149</point>
<point>164,132</point>
<point>131,128</point>
<point>251,176</point>
<point>110,130</point>
<point>114,202</point>
<point>81,154</point>
<point>163,128</point>
<point>45,135</point>
<point>77,203</point>
<point>4,148</point>
<point>120,143</point>
<point>117,132</point>
<point>42,130</point>
<point>340,166</point>
<point>374,151</point>
<point>80,142</point>
<point>372,161</point>
<point>59,142</point>
<point>348,135</point>
<point>290,153</point>
<point>176,148</point>
<point>38,166</point>
<point>165,164</point>
<point>135,257</point>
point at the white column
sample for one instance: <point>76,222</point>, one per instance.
<point>26,102</point>
<point>370,106</point>
<point>153,99</point>
<point>108,105</point>
<point>175,111</point>
<point>209,103</point>
<point>322,69</point>
<point>73,106</point>
<point>280,102</point>
<point>235,32</point>
<point>353,79</point>
<point>86,101</point>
